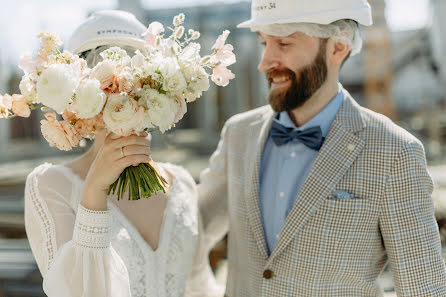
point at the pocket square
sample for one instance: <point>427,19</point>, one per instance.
<point>341,194</point>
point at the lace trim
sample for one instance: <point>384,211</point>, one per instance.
<point>46,222</point>
<point>92,228</point>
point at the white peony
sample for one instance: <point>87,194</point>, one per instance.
<point>56,86</point>
<point>89,99</point>
<point>123,115</point>
<point>161,109</point>
<point>198,82</point>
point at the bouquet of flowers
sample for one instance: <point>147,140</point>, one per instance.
<point>126,95</point>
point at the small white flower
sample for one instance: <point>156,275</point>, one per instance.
<point>179,32</point>
<point>28,88</point>
<point>89,99</point>
<point>27,64</point>
<point>116,54</point>
<point>56,86</point>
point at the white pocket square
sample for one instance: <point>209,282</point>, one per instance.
<point>344,195</point>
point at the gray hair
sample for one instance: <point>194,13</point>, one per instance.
<point>345,30</point>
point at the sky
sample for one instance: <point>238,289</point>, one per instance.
<point>25,18</point>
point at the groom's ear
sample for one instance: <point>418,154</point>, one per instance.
<point>337,52</point>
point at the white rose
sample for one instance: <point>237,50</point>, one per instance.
<point>28,88</point>
<point>89,99</point>
<point>161,109</point>
<point>122,114</point>
<point>56,86</point>
<point>175,83</point>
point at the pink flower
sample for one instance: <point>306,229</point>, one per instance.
<point>27,64</point>
<point>154,29</point>
<point>20,106</point>
<point>123,80</point>
<point>59,134</point>
<point>221,75</point>
<point>223,52</point>
<point>221,40</point>
<point>225,55</point>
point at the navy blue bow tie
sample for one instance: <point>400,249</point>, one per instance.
<point>311,137</point>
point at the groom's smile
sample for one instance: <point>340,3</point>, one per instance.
<point>295,67</point>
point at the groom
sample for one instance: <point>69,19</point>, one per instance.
<point>317,192</point>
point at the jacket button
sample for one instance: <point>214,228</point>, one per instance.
<point>268,274</point>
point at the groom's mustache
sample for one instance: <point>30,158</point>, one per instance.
<point>275,73</point>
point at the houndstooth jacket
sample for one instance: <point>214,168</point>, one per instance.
<point>328,246</point>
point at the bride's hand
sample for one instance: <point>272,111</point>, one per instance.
<point>116,154</point>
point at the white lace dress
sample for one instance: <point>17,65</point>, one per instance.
<point>100,253</point>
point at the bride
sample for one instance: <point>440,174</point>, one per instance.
<point>86,243</point>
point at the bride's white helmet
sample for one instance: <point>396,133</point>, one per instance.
<point>268,12</point>
<point>107,27</point>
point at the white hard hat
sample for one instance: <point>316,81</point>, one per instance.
<point>107,27</point>
<point>267,12</point>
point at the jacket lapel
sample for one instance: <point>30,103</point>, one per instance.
<point>259,131</point>
<point>339,151</point>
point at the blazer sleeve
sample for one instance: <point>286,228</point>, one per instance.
<point>213,194</point>
<point>409,229</point>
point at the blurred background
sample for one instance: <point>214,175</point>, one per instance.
<point>401,73</point>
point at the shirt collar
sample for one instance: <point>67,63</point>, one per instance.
<point>323,119</point>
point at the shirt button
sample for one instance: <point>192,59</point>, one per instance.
<point>293,155</point>
<point>268,274</point>
<point>282,194</point>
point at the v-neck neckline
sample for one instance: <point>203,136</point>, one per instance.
<point>130,226</point>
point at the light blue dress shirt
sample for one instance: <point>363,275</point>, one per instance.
<point>283,170</point>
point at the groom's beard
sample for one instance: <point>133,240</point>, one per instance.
<point>303,86</point>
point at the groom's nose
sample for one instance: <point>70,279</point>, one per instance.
<point>269,60</point>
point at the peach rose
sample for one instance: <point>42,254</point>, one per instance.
<point>104,72</point>
<point>59,134</point>
<point>20,106</point>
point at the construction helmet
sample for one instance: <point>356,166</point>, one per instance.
<point>268,12</point>
<point>107,27</point>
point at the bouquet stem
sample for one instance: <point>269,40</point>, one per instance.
<point>143,181</point>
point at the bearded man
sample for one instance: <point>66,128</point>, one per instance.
<point>318,193</point>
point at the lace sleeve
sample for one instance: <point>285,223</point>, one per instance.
<point>72,250</point>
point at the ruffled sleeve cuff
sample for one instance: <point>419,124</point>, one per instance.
<point>92,228</point>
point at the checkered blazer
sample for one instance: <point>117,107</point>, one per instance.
<point>328,246</point>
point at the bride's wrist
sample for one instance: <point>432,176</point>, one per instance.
<point>94,198</point>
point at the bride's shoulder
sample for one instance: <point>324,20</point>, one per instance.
<point>49,174</point>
